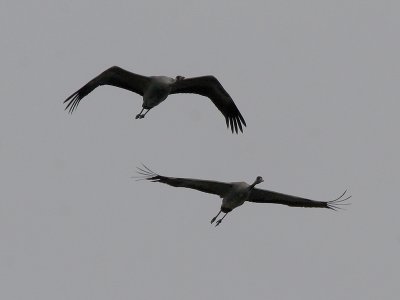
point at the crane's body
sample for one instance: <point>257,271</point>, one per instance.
<point>155,89</point>
<point>234,194</point>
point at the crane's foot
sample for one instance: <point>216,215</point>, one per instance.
<point>218,222</point>
<point>213,219</point>
<point>139,116</point>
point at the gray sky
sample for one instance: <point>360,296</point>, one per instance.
<point>318,84</point>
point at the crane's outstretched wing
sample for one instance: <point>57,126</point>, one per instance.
<point>206,186</point>
<point>115,76</point>
<point>264,196</point>
<point>210,87</point>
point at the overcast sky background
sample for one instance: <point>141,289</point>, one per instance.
<point>316,81</point>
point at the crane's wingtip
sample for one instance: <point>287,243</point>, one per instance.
<point>146,173</point>
<point>339,202</point>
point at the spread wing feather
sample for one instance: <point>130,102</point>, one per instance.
<point>210,87</point>
<point>206,186</point>
<point>264,196</point>
<point>114,76</point>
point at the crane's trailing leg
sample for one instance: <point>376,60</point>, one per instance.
<point>140,115</point>
<point>213,219</point>
<point>220,220</point>
<point>146,113</point>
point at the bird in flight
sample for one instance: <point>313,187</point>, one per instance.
<point>234,194</point>
<point>155,89</point>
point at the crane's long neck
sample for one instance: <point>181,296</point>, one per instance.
<point>252,185</point>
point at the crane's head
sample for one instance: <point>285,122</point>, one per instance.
<point>179,77</point>
<point>259,179</point>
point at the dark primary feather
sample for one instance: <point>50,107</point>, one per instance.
<point>210,87</point>
<point>264,196</point>
<point>114,76</point>
<point>206,186</point>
